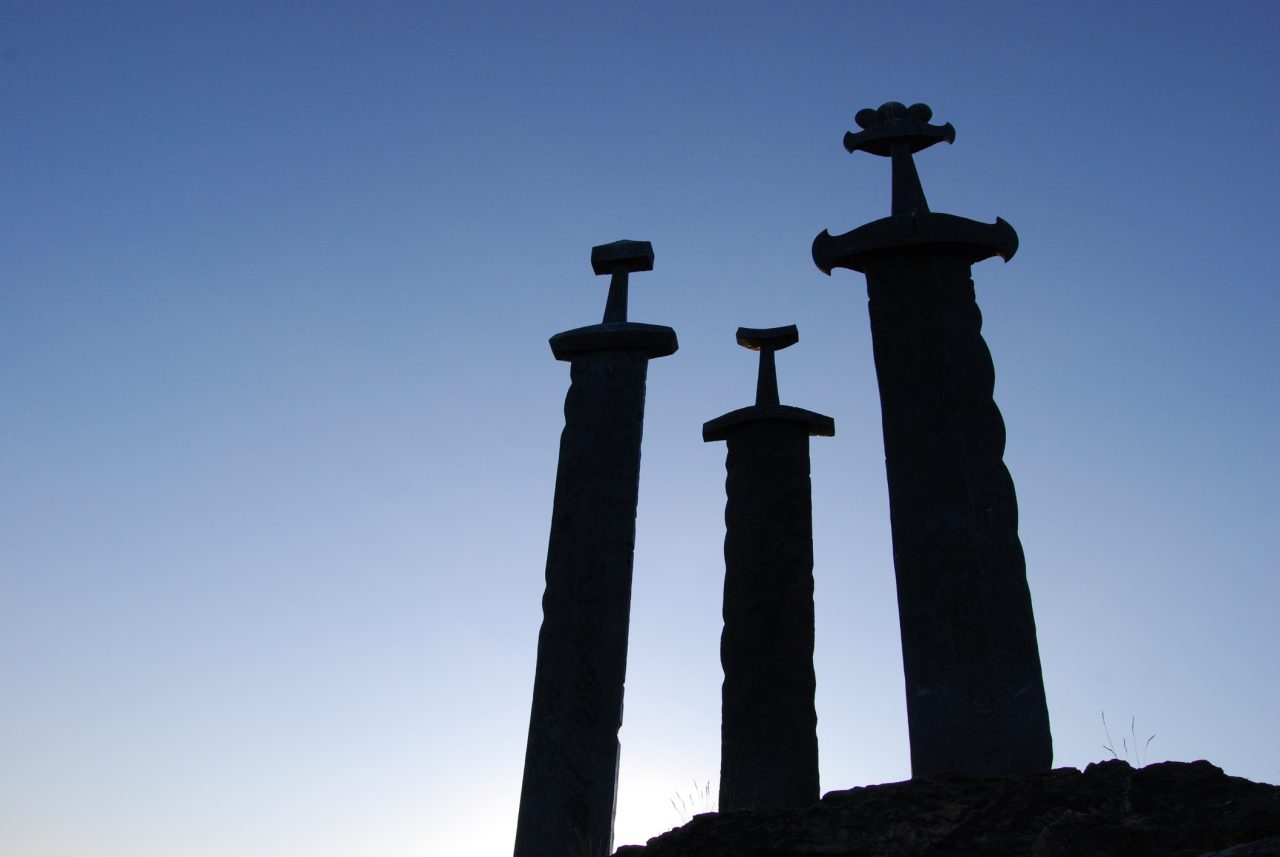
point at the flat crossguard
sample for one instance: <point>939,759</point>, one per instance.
<point>620,258</point>
<point>615,333</point>
<point>897,131</point>
<point>767,340</point>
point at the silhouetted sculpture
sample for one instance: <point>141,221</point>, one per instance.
<point>975,696</point>
<point>768,727</point>
<point>569,792</point>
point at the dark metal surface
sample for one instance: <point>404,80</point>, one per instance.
<point>769,743</point>
<point>569,791</point>
<point>975,694</point>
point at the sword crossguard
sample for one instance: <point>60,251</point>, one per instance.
<point>620,258</point>
<point>897,131</point>
<point>767,340</point>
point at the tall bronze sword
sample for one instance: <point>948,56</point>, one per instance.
<point>569,792</point>
<point>975,695</point>
<point>768,723</point>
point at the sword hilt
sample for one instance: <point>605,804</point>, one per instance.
<point>620,258</point>
<point>767,340</point>
<point>897,131</point>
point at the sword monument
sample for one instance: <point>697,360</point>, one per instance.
<point>768,723</point>
<point>569,791</point>
<point>975,695</point>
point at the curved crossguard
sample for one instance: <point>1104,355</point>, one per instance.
<point>898,131</point>
<point>620,258</point>
<point>768,340</point>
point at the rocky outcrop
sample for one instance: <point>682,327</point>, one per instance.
<point>1170,809</point>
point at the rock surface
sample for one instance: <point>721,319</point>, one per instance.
<point>1169,809</point>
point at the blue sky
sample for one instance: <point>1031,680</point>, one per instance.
<point>280,419</point>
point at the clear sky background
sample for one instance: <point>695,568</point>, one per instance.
<point>280,421</point>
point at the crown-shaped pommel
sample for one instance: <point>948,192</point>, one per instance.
<point>897,132</point>
<point>620,258</point>
<point>896,123</point>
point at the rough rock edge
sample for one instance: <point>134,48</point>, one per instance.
<point>1168,809</point>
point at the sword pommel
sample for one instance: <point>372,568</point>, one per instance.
<point>897,131</point>
<point>620,258</point>
<point>770,338</point>
<point>894,123</point>
<point>767,340</point>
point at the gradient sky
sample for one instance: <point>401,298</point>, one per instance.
<point>280,419</point>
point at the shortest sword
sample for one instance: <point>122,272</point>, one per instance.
<point>769,740</point>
